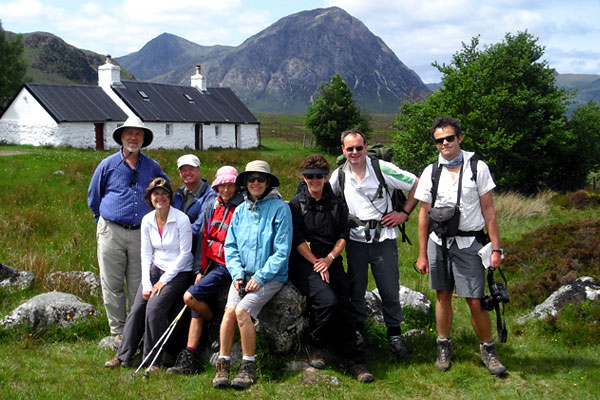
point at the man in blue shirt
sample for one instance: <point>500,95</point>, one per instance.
<point>115,198</point>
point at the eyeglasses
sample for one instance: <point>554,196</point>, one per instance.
<point>357,148</point>
<point>251,179</point>
<point>311,176</point>
<point>448,139</point>
<point>133,178</point>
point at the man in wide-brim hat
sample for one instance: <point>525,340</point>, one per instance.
<point>115,198</point>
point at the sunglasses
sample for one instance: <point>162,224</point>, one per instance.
<point>448,139</point>
<point>311,176</point>
<point>357,148</point>
<point>133,178</point>
<point>251,179</point>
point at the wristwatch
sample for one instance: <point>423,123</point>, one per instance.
<point>501,251</point>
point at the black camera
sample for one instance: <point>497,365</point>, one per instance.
<point>498,294</point>
<point>242,289</point>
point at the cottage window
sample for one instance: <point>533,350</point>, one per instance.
<point>189,98</point>
<point>217,130</point>
<point>168,129</point>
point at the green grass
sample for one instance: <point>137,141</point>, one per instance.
<point>45,226</point>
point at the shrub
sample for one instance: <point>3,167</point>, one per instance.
<point>550,257</point>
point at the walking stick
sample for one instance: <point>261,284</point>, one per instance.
<point>160,342</point>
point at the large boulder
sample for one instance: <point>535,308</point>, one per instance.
<point>77,282</point>
<point>54,308</point>
<point>11,278</point>
<point>408,299</point>
<point>282,320</point>
<point>576,292</point>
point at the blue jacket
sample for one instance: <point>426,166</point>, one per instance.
<point>259,240</point>
<point>198,207</point>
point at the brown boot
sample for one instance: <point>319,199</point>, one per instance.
<point>221,379</point>
<point>490,359</point>
<point>246,377</point>
<point>444,354</point>
<point>316,359</point>
<point>359,371</point>
<point>113,363</point>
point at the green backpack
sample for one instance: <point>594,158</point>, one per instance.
<point>375,153</point>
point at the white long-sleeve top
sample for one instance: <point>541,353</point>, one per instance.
<point>172,252</point>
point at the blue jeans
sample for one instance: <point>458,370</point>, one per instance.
<point>383,257</point>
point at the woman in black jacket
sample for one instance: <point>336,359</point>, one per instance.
<point>316,268</point>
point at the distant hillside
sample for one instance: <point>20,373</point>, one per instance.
<point>51,60</point>
<point>168,53</point>
<point>280,68</point>
<point>587,86</point>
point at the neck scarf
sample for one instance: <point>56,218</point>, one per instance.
<point>451,163</point>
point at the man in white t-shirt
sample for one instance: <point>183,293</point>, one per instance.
<point>373,234</point>
<point>458,267</point>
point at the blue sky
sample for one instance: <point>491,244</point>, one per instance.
<point>418,31</point>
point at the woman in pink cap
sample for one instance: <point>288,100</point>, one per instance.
<point>213,276</point>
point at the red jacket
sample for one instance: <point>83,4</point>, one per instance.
<point>215,231</point>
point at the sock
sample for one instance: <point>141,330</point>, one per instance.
<point>490,343</point>
<point>227,358</point>
<point>444,338</point>
<point>192,349</point>
<point>249,358</point>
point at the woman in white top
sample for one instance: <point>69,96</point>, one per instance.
<point>166,273</point>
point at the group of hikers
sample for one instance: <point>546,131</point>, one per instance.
<point>159,248</point>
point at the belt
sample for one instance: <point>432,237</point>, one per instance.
<point>128,227</point>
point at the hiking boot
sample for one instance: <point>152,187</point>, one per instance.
<point>221,379</point>
<point>113,363</point>
<point>186,363</point>
<point>490,359</point>
<point>316,359</point>
<point>444,354</point>
<point>246,377</point>
<point>359,372</point>
<point>397,346</point>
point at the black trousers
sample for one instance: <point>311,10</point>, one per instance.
<point>149,319</point>
<point>329,306</point>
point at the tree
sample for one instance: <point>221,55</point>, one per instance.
<point>12,67</point>
<point>584,124</point>
<point>333,112</point>
<point>511,112</point>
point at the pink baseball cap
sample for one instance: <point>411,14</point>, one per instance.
<point>226,174</point>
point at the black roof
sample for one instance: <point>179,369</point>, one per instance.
<point>76,103</point>
<point>154,102</point>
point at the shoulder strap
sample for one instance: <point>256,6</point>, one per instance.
<point>342,181</point>
<point>436,171</point>
<point>473,161</point>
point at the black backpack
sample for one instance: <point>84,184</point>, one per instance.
<point>375,153</point>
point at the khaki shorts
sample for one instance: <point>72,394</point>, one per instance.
<point>253,302</point>
<point>467,273</point>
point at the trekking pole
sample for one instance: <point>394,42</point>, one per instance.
<point>160,342</point>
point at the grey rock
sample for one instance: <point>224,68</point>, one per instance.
<point>108,343</point>
<point>13,279</point>
<point>581,289</point>
<point>282,321</point>
<point>408,299</point>
<point>81,282</point>
<point>54,308</point>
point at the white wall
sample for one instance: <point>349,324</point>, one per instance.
<point>182,136</point>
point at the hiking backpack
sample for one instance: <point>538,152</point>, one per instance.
<point>375,153</point>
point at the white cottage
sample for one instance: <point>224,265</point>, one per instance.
<point>194,116</point>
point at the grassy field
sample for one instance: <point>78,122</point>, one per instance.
<point>45,226</point>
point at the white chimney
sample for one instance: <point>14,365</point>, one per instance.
<point>108,74</point>
<point>198,80</point>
